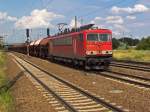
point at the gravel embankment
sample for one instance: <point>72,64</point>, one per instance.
<point>26,97</point>
<point>130,97</point>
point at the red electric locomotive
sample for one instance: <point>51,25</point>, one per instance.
<point>88,47</point>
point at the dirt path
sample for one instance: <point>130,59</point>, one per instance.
<point>26,97</point>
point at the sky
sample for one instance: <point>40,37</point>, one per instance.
<point>123,17</point>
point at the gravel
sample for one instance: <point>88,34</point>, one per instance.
<point>123,94</point>
<point>26,97</point>
<point>131,72</point>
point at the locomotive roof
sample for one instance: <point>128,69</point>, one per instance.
<point>86,31</point>
<point>38,42</point>
<point>32,43</point>
<point>44,41</point>
<point>18,44</point>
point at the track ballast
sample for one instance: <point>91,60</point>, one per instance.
<point>73,98</point>
<point>131,66</point>
<point>131,79</point>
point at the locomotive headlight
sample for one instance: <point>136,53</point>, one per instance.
<point>91,52</point>
<point>107,52</point>
<point>88,52</point>
<point>103,52</point>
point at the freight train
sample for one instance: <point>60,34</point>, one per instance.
<point>86,46</point>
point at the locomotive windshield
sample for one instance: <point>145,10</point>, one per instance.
<point>98,37</point>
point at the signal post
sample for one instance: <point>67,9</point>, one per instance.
<point>27,41</point>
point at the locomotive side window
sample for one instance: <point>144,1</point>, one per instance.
<point>92,37</point>
<point>63,41</point>
<point>80,38</point>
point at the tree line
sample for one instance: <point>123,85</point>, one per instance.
<point>127,42</point>
<point>1,42</point>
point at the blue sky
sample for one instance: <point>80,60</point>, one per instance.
<point>123,17</point>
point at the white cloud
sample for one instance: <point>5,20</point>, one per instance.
<point>120,27</point>
<point>114,20</point>
<point>138,8</point>
<point>131,17</point>
<point>10,18</point>
<point>115,23</point>
<point>98,18</point>
<point>37,19</point>
<point>144,2</point>
<point>5,17</point>
<point>138,24</point>
<point>72,23</point>
<point>98,21</point>
<point>116,33</point>
<point>108,19</point>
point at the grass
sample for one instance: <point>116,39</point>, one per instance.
<point>134,55</point>
<point>6,100</point>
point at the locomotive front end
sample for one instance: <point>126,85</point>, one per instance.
<point>98,49</point>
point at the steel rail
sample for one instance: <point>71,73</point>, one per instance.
<point>95,98</point>
<point>132,62</point>
<point>134,67</point>
<point>132,76</point>
<point>68,106</point>
<point>120,76</point>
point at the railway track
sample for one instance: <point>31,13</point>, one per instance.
<point>132,62</point>
<point>72,97</point>
<point>130,79</point>
<point>131,66</point>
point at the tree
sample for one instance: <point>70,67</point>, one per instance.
<point>129,41</point>
<point>144,44</point>
<point>115,43</point>
<point>1,41</point>
<point>123,46</point>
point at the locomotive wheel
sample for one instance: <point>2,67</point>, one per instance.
<point>106,67</point>
<point>87,68</point>
<point>75,63</point>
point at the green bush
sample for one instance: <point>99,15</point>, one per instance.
<point>123,46</point>
<point>6,100</point>
<point>115,43</point>
<point>134,55</point>
<point>144,44</point>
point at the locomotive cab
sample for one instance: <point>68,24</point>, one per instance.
<point>98,48</point>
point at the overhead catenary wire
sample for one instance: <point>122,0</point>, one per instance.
<point>104,8</point>
<point>46,6</point>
